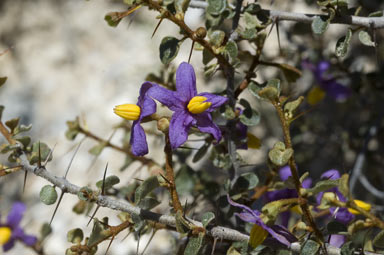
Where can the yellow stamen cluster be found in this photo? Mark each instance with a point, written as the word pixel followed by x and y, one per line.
pixel 197 105
pixel 363 205
pixel 5 235
pixel 127 111
pixel 257 236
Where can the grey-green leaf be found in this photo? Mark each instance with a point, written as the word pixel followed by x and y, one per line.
pixel 310 247
pixel 216 37
pixel 169 48
pixel 216 7
pixel 48 195
pixel 145 188
pixel 246 181
pixel 194 245
pixel 207 218
pixel 365 38
pixel 250 117
pixel 75 236
pixel 342 45
pixel 109 182
pixel 320 25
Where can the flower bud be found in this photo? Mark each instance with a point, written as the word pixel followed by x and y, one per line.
pixel 363 205
pixel 127 111
pixel 200 33
pixel 163 125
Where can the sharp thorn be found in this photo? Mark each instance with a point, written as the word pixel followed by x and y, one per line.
pixel 109 245
pixel 49 155
pixel 137 179
pixel 73 157
pixel 39 161
pixel 165 179
pixel 185 207
pixel 190 53
pixel 149 241
pixel 93 215
pixel 125 237
pixel 103 184
pixel 138 244
pixel 157 26
pixel 214 246
pixel 25 180
pixel 57 206
pixel 278 34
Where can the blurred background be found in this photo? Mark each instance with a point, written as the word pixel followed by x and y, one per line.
pixel 65 61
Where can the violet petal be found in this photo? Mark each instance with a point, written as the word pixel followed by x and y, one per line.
pixel 138 140
pixel 205 124
pixel 16 214
pixel 185 82
pixel 178 128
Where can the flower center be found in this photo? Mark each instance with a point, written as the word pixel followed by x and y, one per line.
pixel 363 205
pixel 127 111
pixel 197 105
pixel 5 235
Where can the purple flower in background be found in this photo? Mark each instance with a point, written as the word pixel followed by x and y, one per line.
pixel 190 108
pixel 10 231
pixel 326 81
pixel 285 173
pixel 145 106
pixel 340 214
pixel 279 233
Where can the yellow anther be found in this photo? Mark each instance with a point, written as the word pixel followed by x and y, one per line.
pixel 257 236
pixel 197 105
pixel 363 205
pixel 5 235
pixel 127 111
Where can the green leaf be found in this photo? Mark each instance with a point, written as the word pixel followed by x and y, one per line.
pixel 85 193
pixel 216 7
pixel 73 129
pixel 347 249
pixel 249 116
pixel 252 8
pixel 246 181
pixel 310 247
pixel 145 188
pixel 185 180
pixel 99 232
pixel 110 181
pixel 365 38
pixel 231 50
pixel 216 37
pixel 194 245
pixel 376 14
pixel 324 186
pixel 207 218
pixel 22 128
pixel 48 195
pixel 148 203
pixel 251 21
pixel 249 33
pixel 79 207
pixel 200 153
pixel 207 56
pixel 279 155
pixel 3 80
pixel 208 70
pixel 44 153
pixel 45 231
pixel 12 124
pixel 97 149
pixel 342 44
pixel 320 24
pixel 378 241
pixel 291 73
pixel 335 227
pixel 290 107
pixel 169 48
pixel 25 140
pixel 113 18
pixel 75 236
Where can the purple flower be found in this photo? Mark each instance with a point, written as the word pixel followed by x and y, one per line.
pixel 337 240
pixel 326 81
pixel 190 109
pixel 278 233
pixel 340 214
pixel 146 106
pixel 10 231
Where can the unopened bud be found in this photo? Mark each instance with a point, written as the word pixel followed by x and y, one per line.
pixel 201 32
pixel 163 125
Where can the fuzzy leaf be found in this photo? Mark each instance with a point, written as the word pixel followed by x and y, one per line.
pixel 342 44
pixel 75 236
pixel 207 218
pixel 99 232
pixel 310 247
pixel 12 124
pixel 194 245
pixel 216 37
pixel 169 48
pixel 48 195
pixel 148 203
pixel 200 153
pixel 246 181
pixel 113 18
pixel 365 38
pixel 378 241
pixel 279 155
pixel 44 153
pixel 145 188
pixel 109 182
pixel 320 25
pixel 324 186
pixel 216 7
